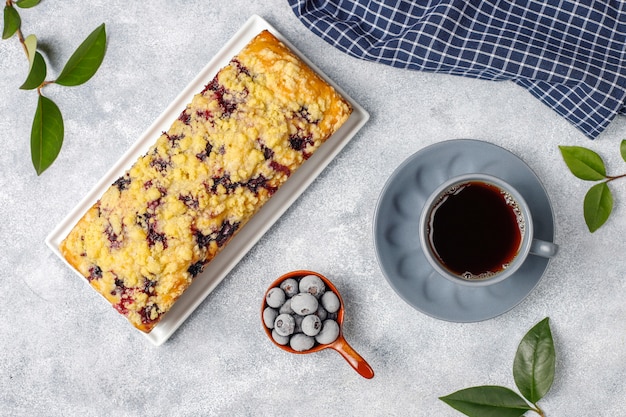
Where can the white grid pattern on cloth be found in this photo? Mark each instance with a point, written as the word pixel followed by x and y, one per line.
pixel 569 54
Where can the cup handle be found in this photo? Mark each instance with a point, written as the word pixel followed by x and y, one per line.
pixel 543 248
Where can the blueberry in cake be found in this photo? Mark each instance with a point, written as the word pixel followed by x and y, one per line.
pixel 157 226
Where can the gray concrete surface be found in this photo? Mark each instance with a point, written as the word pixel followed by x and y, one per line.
pixel 65 352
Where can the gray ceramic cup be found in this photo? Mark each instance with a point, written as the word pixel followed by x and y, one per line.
pixel 528 245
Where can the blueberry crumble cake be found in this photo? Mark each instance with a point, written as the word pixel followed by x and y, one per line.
pixel 158 225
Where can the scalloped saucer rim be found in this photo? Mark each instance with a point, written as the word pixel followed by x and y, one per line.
pixel 397 213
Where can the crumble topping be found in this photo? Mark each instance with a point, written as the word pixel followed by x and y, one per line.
pixel 157 226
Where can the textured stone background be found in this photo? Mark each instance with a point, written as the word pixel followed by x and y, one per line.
pixel 66 352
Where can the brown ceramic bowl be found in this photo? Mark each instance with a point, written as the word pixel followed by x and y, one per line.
pixel 340 345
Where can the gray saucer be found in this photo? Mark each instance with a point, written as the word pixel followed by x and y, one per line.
pixel 396 230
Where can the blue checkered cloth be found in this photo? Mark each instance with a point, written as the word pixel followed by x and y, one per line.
pixel 568 54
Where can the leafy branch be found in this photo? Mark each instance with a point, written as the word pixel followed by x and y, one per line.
pixel 589 166
pixel 47 130
pixel 533 371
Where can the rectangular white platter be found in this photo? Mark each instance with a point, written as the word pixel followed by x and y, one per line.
pixel 249 235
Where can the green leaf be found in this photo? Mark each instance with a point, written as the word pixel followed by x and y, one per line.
pixel 584 163
pixel 86 60
pixel 533 367
pixel 26 4
pixel 37 73
pixel 622 149
pixel 46 136
pixel 31 47
pixel 487 401
pixel 597 206
pixel 12 22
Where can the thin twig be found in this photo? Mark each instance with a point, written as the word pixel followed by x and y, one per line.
pixel 611 177
pixel 19 33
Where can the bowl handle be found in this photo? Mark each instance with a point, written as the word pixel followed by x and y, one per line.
pixel 353 358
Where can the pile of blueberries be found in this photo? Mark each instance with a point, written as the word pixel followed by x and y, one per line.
pixel 301 312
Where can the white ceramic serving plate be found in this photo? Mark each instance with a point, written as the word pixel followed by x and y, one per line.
pixel 243 241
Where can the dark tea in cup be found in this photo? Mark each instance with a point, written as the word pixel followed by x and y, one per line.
pixel 475 229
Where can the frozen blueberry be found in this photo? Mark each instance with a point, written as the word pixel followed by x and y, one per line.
pixel 275 297
pixel 290 287
pixel 269 315
pixel 298 320
pixel 284 324
pixel 321 312
pixel 313 285
pixel 301 342
pixel 330 301
pixel 286 307
pixel 329 332
pixel 304 304
pixel 281 340
pixel 311 325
